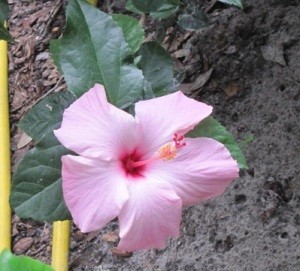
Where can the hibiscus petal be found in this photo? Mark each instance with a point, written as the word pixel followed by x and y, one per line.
pixel 92 127
pixel 162 117
pixel 202 170
pixel 94 191
pixel 151 215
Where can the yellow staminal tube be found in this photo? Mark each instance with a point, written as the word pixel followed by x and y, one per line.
pixel 5 212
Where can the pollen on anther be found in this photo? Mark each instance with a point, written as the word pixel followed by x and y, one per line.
pixel 167 152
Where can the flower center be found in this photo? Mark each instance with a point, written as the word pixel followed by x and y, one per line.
pixel 135 167
pixel 132 165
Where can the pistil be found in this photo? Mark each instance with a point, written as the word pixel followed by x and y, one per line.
pixel 135 164
pixel 166 152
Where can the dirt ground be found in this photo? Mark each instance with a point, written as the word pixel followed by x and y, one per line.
pixel 255 90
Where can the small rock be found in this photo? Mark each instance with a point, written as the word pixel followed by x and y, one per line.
pixel 42 56
pixel 231 50
pixel 55 29
pixel 232 89
pixel 274 53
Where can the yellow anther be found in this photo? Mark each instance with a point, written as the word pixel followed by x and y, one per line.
pixel 167 152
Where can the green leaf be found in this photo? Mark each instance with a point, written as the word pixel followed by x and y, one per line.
pixel 233 2
pixel 10 262
pixel 46 115
pixel 164 12
pixel 132 8
pixel 148 6
pixel 3 11
pixel 167 8
pixel 91 51
pixel 132 30
pixel 132 81
pixel 157 65
pixel 211 128
pixel 160 9
pixel 36 190
pixel 4 34
pixel 194 18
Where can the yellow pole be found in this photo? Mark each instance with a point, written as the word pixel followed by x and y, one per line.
pixel 60 245
pixel 5 213
pixel 61 233
pixel 93 2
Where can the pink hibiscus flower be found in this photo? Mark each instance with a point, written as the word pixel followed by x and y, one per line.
pixel 140 169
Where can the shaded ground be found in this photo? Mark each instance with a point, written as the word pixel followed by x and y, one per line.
pixel 255 90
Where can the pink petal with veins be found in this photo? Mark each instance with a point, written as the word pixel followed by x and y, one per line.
pixel 162 117
pixel 92 127
pixel 151 215
pixel 94 191
pixel 202 170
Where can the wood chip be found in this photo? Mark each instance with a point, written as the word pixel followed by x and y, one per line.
pixel 14 230
pixel 78 236
pixel 47 83
pixel 19 98
pixel 23 245
pixel 181 53
pixel 200 82
pixel 23 141
pixel 46 73
pixel 110 237
pixel 92 235
pixel 120 253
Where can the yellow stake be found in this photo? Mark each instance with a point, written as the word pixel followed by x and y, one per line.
pixel 93 2
pixel 5 213
pixel 60 245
